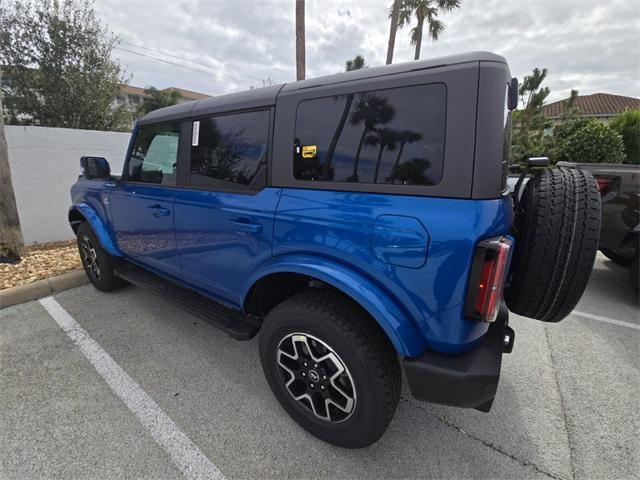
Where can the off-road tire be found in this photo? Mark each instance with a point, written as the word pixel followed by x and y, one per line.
pixel 557 227
pixel 361 345
pixel 616 257
pixel 106 281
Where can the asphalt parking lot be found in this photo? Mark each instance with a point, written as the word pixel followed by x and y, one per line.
pixel 567 405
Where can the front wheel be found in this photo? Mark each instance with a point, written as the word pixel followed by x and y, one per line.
pixel 97 263
pixel 331 369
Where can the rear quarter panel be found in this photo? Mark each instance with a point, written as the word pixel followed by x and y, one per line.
pixel 340 226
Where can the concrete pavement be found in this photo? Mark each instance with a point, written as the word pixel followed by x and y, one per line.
pixel 566 407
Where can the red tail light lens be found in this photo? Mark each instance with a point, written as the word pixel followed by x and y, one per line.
pixel 603 184
pixel 486 280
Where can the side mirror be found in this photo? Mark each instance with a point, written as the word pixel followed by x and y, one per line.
pixel 95 167
pixel 513 94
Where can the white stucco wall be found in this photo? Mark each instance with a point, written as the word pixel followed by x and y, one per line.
pixel 45 162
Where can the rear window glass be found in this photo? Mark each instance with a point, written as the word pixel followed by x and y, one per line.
pixel 229 151
pixel 393 136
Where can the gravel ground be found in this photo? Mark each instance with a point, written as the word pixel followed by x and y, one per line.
pixel 41 261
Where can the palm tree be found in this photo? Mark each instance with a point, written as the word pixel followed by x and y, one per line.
pixel 385 139
pixel 370 110
pixel 424 10
pixel 357 63
pixel 11 241
pixel 300 43
pixel 394 13
pixel 404 137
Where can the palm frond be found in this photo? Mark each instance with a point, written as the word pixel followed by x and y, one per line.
pixel 436 27
pixel 448 5
pixel 404 17
pixel 413 34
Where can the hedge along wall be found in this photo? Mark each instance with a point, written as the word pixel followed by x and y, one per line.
pixel 45 162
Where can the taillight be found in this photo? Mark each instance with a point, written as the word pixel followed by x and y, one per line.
pixel 488 272
pixel 603 184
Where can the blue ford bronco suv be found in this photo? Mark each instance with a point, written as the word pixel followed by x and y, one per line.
pixel 360 223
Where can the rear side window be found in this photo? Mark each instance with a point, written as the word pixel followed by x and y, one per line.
pixel 155 154
pixel 229 151
pixel 393 136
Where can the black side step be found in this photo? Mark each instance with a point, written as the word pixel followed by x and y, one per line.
pixel 234 323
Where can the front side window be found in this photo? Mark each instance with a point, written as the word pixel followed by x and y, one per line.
pixel 155 155
pixel 229 151
pixel 393 136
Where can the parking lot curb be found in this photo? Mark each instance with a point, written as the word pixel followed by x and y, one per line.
pixel 42 288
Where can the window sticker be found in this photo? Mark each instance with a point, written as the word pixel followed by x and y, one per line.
pixel 195 135
pixel 309 151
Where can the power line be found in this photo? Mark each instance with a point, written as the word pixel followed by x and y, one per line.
pixel 225 70
pixel 223 75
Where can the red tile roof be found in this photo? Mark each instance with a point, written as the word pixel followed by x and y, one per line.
pixel 603 104
pixel 187 94
pixel 130 89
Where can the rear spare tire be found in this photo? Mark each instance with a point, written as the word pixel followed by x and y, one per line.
pixel 557 227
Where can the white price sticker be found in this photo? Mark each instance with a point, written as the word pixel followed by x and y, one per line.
pixel 195 134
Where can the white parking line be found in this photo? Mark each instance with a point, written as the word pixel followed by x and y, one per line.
pixel 600 318
pixel 184 454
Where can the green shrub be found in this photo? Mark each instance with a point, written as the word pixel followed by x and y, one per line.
pixel 586 141
pixel 627 125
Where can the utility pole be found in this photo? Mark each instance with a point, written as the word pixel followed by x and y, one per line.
pixel 300 43
pixel 395 13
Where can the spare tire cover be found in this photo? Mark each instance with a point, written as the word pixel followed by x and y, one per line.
pixel 557 226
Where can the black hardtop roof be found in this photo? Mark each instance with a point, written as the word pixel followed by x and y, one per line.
pixel 257 97
pixel 266 96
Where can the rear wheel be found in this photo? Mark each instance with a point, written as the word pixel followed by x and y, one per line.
pixel 616 257
pixel 334 372
pixel 97 263
pixel 557 229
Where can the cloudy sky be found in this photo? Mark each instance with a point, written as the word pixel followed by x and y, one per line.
pixel 219 46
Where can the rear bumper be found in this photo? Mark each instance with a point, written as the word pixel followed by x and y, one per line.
pixel 467 380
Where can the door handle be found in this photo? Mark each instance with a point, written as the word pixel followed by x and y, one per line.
pixel 240 226
pixel 158 211
pixel 109 184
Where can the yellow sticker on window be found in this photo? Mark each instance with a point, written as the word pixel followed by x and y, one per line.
pixel 308 151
